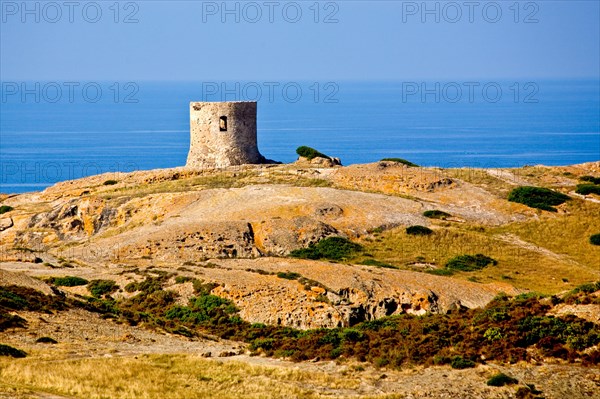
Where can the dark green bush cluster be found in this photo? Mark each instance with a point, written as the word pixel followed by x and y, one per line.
pixel 46 340
pixel 110 182
pixel 501 379
pixel 538 197
pixel 436 214
pixel 310 153
pixel 470 263
pixel 582 295
pixel 377 263
pixel 333 248
pixel 99 288
pixel 67 281
pixel 14 298
pixel 5 209
pixel 586 189
pixel 6 350
pixel 148 285
pixel 459 363
pixel 400 160
pixel 595 239
pixel 202 309
pixel 418 230
pixel 590 179
pixel 289 275
pixel 440 337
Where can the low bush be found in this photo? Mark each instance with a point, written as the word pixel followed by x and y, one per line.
pixel 288 275
pixel 400 160
pixel 182 279
pixel 501 379
pixel 99 288
pixel 5 209
pixel 590 179
pixel 595 239
pixel 333 248
pixel 418 231
pixel 436 214
pixel 46 340
pixel 538 197
pixel 8 320
pixel 310 153
pixel 15 297
pixel 460 363
pixel 469 263
pixel 6 350
pixel 440 272
pixel 110 182
pixel 376 263
pixel 585 189
pixel 582 295
pixel 67 281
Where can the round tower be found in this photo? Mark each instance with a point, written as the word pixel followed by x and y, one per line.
pixel 223 134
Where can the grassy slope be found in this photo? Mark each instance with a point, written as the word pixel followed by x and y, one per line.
pixel 554 253
pixel 163 376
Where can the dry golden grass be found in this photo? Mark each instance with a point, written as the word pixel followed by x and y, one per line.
pixel 481 178
pixel 567 234
pixel 169 376
pixel 224 179
pixel 548 255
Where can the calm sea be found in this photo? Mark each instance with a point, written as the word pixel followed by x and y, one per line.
pixel 53 131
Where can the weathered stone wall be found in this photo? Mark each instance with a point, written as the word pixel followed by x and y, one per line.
pixel 213 147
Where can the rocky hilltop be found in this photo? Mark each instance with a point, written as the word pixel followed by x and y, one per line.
pixel 235 227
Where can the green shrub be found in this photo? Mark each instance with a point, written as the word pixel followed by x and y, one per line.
pixel 440 272
pixel 310 153
pixel 6 350
pixel 418 231
pixel 182 279
pixel 262 343
pixel 110 182
pixel 585 189
pixel 288 275
pixel 501 379
pixel 587 288
pixel 538 197
pixel 5 209
pixel 46 340
pixel 470 263
pixel 202 288
pixel 436 214
pixel 99 288
pixel 590 179
pixel 459 363
pixel 400 160
pixel 376 263
pixel 333 248
pixel 67 281
pixel 595 239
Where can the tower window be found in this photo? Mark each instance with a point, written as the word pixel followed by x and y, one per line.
pixel 223 124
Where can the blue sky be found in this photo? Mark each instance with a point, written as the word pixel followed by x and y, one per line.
pixel 365 40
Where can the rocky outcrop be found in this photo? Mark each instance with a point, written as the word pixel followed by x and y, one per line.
pixel 319 161
pixel 242 222
pixel 6 223
pixel 333 295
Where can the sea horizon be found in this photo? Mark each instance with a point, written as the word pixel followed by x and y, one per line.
pixel 145 125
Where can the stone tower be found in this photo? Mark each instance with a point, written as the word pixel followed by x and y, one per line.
pixel 223 134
